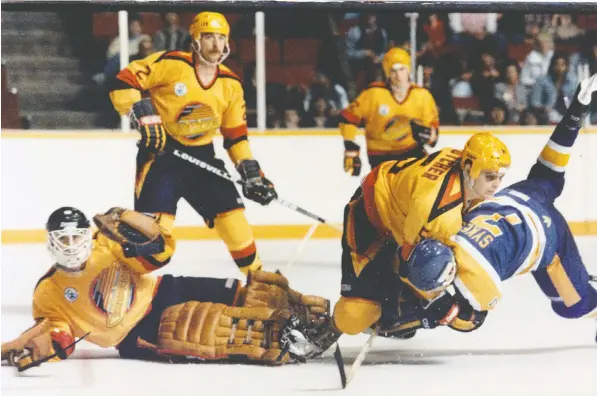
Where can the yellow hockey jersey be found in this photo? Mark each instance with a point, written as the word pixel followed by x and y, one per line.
pixel 191 112
pixel 387 121
pixel 106 299
pixel 414 199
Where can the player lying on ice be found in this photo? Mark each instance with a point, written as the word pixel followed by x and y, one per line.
pixel 100 289
pixel 519 231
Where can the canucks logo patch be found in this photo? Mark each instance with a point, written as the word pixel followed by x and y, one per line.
pixel 71 294
pixel 180 89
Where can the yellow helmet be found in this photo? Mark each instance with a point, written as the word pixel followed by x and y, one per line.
pixel 393 56
pixel 209 22
pixel 485 152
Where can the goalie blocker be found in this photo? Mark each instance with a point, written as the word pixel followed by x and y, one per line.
pixel 163 317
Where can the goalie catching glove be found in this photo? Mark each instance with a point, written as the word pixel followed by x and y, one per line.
pixel 150 126
pixel 138 234
pixel 256 186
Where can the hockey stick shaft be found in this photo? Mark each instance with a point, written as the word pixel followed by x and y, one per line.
pixel 361 357
pixel 300 248
pixel 223 174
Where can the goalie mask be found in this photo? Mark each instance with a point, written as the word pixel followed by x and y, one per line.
pixel 69 238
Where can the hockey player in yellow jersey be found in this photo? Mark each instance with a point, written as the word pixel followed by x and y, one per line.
pixel 191 96
pixel 100 288
pixel 399 117
pixel 398 204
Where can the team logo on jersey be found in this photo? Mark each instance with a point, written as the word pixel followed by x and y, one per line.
pixel 180 89
pixel 71 294
pixel 113 293
pixel 384 110
pixel 547 221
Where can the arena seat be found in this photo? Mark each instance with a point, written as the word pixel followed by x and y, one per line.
pixel 301 51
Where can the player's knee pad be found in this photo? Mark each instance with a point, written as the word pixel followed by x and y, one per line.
pixel 234 229
pixel 353 315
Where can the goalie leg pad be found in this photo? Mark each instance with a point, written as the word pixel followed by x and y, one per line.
pixel 217 332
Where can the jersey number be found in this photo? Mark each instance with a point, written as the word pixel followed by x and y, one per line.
pixel 400 165
pixel 487 222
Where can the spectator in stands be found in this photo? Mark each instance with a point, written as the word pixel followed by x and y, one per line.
pixel 435 33
pixel 291 118
pixel 461 85
pixel 135 36
pixel 171 37
pixel 474 31
pixel 498 114
pixel 512 93
pixel 146 48
pixel 537 61
pixel 483 81
pixel 319 115
pixel 563 29
pixel 366 43
pixel 335 95
pixel 551 92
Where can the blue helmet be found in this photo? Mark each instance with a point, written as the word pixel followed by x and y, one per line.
pixel 431 266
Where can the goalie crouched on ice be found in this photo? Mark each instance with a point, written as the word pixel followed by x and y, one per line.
pixel 100 288
pixel 191 96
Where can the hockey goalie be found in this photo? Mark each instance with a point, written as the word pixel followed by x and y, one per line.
pixel 100 289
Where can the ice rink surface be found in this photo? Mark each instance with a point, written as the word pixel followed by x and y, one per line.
pixel 522 349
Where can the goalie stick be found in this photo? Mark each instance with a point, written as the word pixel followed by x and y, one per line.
pixel 223 174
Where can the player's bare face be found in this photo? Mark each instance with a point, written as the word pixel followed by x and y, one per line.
pixel 212 46
pixel 487 184
pixel 399 76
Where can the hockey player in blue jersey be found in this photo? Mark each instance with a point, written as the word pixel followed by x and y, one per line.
pixel 518 231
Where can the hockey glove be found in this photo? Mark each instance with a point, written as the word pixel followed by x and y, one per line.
pixel 352 161
pixel 422 135
pixel 256 187
pixel 414 315
pixel 150 126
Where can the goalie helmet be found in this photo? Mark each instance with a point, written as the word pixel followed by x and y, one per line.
pixel 431 266
pixel 209 22
pixel 69 238
pixel 485 152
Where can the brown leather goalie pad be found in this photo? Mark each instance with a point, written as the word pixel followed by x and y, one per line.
pixel 268 289
pixel 212 331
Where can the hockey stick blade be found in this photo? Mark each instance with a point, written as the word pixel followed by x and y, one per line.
pixel 593 278
pixel 340 362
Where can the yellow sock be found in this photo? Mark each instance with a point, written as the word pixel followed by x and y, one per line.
pixel 234 229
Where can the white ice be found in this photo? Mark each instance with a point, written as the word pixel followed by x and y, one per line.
pixel 523 348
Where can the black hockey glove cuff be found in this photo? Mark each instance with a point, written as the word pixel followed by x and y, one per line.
pixel 256 186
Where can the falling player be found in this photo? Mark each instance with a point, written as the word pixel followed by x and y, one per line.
pixel 100 287
pixel 192 95
pixel 399 117
pixel 398 204
pixel 517 232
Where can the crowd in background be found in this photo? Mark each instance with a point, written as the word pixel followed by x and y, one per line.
pixel 502 69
